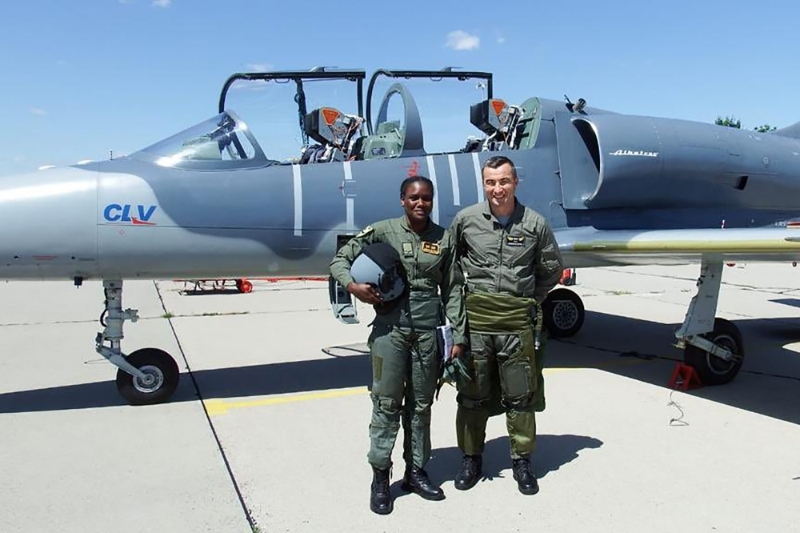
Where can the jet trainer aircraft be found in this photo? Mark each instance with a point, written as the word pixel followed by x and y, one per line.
pixel 208 202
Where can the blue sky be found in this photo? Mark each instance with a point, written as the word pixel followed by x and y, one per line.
pixel 84 77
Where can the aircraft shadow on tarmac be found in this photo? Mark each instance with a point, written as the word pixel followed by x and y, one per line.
pixel 629 347
pixel 552 452
pixel 258 380
pixel 768 384
pixel 206 292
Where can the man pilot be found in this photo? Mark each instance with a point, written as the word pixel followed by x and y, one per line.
pixel 510 260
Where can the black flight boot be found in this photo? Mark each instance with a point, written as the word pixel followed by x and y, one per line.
pixel 526 481
pixel 380 501
pixel 416 480
pixel 470 473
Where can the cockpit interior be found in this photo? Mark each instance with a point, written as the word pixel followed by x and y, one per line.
pixel 348 135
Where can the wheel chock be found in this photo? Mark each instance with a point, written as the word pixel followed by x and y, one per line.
pixel 684 377
pixel 244 286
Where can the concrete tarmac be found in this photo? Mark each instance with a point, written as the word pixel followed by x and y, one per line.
pixel 268 428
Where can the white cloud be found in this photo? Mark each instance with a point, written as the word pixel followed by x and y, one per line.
pixel 38 111
pixel 461 40
pixel 500 39
pixel 19 159
pixel 162 3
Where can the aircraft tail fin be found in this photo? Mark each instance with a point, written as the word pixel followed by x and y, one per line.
pixel 792 131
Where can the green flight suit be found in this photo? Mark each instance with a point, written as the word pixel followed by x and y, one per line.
pixel 506 269
pixel 403 345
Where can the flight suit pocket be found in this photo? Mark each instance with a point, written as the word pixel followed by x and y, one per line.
pixel 516 372
pixel 431 263
pixel 551 258
pixel 517 379
pixel 481 250
pixel 377 342
pixel 377 367
pixel 521 248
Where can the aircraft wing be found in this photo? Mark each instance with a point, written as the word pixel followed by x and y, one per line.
pixel 587 247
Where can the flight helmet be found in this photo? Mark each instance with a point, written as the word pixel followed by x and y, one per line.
pixel 379 265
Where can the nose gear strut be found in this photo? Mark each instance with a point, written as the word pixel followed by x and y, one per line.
pixel 146 376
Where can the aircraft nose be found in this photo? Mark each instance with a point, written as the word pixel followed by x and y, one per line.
pixel 48 224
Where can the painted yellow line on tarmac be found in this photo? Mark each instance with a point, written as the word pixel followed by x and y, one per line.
pixel 220 407
pixel 216 407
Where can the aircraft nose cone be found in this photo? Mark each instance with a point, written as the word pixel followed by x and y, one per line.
pixel 48 223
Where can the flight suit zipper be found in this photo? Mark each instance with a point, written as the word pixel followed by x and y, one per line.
pixel 500 262
pixel 415 239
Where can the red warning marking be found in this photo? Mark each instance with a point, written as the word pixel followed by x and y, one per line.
pixel 498 106
pixel 330 115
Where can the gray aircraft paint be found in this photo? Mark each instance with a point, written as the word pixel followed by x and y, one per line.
pixel 654 180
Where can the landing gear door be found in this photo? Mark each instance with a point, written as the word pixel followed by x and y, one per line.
pixel 342 303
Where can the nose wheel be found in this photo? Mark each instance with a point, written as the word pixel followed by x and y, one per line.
pixel 159 379
pixel 146 376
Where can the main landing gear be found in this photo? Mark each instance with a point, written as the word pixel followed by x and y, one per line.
pixel 145 376
pixel 712 346
pixel 563 313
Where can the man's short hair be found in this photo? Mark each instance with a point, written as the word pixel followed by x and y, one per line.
pixel 498 161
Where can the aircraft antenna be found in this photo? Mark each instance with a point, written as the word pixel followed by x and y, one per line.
pixel 482 87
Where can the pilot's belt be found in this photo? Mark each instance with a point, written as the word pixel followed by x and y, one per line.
pixel 497 313
pixel 430 292
pixel 420 310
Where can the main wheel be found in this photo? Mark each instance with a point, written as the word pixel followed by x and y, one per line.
pixel 162 376
pixel 714 370
pixel 563 313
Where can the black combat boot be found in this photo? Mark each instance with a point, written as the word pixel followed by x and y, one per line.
pixel 470 473
pixel 380 501
pixel 526 481
pixel 416 480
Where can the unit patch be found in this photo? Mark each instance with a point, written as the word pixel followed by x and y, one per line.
pixel 408 250
pixel 515 241
pixel 430 247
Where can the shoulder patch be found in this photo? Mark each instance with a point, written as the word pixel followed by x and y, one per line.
pixel 365 231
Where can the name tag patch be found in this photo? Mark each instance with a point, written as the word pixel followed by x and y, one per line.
pixel 408 250
pixel 430 248
pixel 515 241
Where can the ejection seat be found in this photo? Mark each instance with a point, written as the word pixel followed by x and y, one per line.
pixel 501 122
pixel 334 131
pixel 394 138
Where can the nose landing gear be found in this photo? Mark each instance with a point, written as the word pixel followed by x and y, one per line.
pixel 146 376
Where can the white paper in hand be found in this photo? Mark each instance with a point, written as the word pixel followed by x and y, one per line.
pixel 445 336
